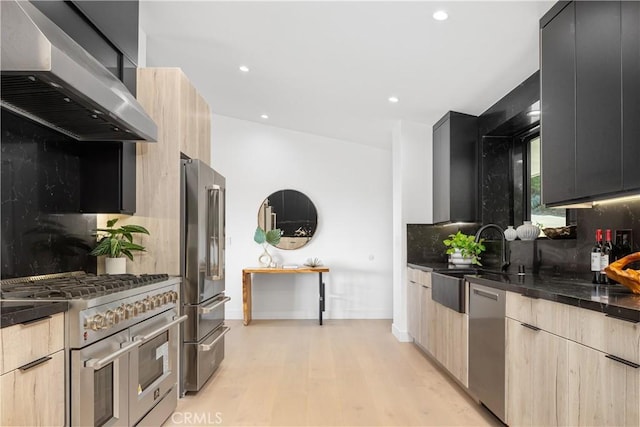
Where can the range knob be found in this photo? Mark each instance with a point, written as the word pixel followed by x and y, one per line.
pixel 147 303
pixel 140 307
pixel 120 314
pixel 130 311
pixel 174 296
pixel 166 298
pixel 95 323
pixel 157 300
pixel 110 317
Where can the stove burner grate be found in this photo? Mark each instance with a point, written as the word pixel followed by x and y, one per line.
pixel 75 286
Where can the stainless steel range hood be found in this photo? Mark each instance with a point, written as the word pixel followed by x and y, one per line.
pixel 51 79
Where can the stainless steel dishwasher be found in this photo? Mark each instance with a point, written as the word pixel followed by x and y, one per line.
pixel 487 347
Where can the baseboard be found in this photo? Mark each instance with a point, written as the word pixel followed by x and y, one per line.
pixel 402 336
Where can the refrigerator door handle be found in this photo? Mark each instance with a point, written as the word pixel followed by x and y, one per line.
pixel 214 232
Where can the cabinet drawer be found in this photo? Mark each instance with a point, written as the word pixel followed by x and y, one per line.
pixel 588 327
pixel 413 274
pixel 424 278
pixel 34 396
pixel 24 343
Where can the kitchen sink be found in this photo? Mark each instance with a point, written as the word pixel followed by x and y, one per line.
pixel 447 288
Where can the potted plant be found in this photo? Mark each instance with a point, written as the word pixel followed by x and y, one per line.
pixel 266 238
pixel 116 242
pixel 464 249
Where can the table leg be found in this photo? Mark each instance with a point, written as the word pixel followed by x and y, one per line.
pixel 246 297
pixel 321 301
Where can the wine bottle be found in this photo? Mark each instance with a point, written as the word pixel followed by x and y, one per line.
pixel 605 257
pixel 596 257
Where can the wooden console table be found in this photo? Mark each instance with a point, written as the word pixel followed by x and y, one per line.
pixel 246 286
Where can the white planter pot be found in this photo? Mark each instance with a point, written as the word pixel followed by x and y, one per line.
pixel 460 261
pixel 115 265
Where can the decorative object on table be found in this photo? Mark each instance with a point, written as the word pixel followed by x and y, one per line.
pixel 266 238
pixel 528 231
pixel 116 242
pixel 313 262
pixel 510 233
pixel 629 277
pixel 464 250
pixel 568 232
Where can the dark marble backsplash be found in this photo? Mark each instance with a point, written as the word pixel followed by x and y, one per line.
pixel 570 257
pixel 42 231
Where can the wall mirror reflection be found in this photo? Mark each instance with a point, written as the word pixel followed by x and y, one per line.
pixel 292 212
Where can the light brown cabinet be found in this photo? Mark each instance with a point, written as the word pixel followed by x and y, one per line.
pixel 426 317
pixel 413 309
pixel 570 366
pixel 32 385
pixel 536 376
pixel 450 341
pixel 184 128
pixel 602 391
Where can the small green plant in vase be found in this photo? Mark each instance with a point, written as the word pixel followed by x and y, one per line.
pixel 266 238
pixel 464 249
pixel 116 242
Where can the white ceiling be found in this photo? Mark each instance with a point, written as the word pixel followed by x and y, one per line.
pixel 328 68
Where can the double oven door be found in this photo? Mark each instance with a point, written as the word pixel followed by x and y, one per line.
pixel 129 378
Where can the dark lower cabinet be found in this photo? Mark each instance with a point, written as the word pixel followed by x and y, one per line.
pixel 590 100
pixel 455 190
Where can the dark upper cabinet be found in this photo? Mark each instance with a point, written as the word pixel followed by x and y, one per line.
pixel 590 100
pixel 108 30
pixel 631 94
pixel 454 168
pixel 117 20
pixel 557 94
pixel 598 97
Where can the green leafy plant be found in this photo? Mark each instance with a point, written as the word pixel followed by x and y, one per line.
pixel 115 242
pixel 271 237
pixel 467 246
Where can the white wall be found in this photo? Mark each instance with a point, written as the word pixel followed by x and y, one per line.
pixel 412 203
pixel 351 186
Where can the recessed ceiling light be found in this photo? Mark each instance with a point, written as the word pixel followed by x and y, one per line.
pixel 244 68
pixel 393 99
pixel 440 15
pixel 264 116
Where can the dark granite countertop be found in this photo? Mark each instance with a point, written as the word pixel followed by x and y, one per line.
pixel 14 312
pixel 614 300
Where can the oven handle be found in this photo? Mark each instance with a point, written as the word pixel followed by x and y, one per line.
pixel 161 329
pixel 97 364
pixel 207 347
pixel 210 308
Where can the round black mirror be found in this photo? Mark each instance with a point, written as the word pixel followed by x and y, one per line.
pixel 293 213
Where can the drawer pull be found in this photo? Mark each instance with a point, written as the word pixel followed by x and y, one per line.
pixel 620 360
pixel 216 304
pixel 32 321
pixel 35 363
pixel 426 287
pixel 208 347
pixel 533 328
pixel 622 318
pixel 486 294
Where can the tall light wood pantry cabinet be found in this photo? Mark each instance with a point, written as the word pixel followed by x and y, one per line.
pixel 184 129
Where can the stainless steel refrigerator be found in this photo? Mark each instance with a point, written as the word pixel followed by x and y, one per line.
pixel 202 236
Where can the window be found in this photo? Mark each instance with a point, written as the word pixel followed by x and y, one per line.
pixel 539 214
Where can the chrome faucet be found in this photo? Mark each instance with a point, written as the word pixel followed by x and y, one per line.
pixel 504 257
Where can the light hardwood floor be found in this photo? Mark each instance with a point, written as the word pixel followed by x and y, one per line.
pixel 345 373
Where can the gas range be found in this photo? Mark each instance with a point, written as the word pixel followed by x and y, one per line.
pixel 99 305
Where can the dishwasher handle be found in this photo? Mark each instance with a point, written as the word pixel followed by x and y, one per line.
pixel 486 294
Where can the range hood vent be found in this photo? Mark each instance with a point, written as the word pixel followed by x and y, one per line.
pixel 49 78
